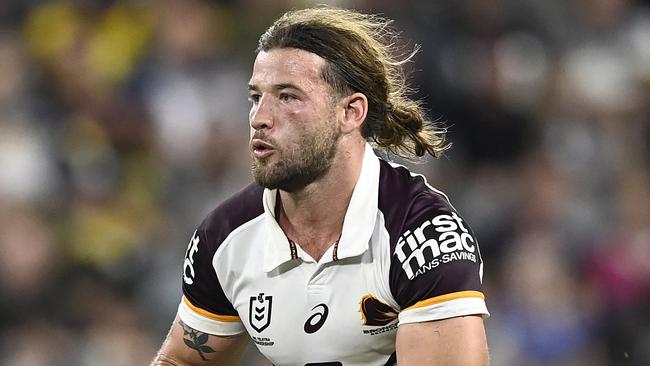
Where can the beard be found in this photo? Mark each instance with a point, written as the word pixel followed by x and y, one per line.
pixel 300 164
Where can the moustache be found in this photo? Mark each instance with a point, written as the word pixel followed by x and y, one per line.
pixel 259 135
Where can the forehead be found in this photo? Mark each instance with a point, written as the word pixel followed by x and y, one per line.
pixel 288 66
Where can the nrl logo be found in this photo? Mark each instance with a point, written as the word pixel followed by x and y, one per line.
pixel 259 311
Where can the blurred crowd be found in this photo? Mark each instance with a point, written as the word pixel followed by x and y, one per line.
pixel 122 123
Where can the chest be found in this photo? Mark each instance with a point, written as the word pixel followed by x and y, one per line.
pixel 309 313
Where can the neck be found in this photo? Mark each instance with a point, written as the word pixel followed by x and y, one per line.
pixel 313 217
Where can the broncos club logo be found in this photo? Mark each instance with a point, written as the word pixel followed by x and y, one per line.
pixel 375 312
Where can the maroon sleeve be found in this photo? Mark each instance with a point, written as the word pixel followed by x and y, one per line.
pixel 201 286
pixel 435 254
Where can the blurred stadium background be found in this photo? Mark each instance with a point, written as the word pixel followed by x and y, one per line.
pixel 122 123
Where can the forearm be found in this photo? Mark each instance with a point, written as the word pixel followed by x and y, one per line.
pixel 185 346
pixel 163 360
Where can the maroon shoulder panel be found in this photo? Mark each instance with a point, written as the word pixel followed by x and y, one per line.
pixel 433 250
pixel 200 283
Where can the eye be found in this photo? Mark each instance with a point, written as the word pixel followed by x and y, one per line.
pixel 254 98
pixel 285 97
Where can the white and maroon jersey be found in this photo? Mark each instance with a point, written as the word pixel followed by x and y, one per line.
pixel 404 256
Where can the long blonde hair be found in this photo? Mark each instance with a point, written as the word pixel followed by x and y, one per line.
pixel 362 57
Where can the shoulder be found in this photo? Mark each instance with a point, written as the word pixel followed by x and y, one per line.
pixel 435 266
pixel 206 305
pixel 405 197
pixel 232 213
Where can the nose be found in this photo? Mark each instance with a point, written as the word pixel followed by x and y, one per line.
pixel 261 114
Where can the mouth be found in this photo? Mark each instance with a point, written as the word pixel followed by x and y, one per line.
pixel 261 149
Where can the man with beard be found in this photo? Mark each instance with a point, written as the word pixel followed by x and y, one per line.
pixel 333 256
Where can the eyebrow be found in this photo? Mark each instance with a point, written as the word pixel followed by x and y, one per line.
pixel 252 87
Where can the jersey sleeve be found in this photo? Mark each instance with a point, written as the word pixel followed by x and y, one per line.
pixel 204 305
pixel 436 266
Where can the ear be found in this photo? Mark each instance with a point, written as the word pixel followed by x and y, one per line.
pixel 355 110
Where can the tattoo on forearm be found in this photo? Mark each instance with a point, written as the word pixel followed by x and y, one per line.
pixel 196 340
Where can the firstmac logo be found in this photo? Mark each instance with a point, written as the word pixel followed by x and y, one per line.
pixel 443 239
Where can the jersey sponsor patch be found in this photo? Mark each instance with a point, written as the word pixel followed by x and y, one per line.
pixel 443 239
pixel 188 265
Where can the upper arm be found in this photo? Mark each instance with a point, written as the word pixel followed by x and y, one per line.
pixel 187 346
pixel 447 342
pixel 207 329
pixel 436 279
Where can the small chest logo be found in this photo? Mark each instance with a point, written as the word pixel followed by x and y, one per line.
pixel 259 311
pixel 376 313
pixel 316 320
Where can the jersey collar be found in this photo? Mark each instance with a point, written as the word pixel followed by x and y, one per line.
pixel 358 224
